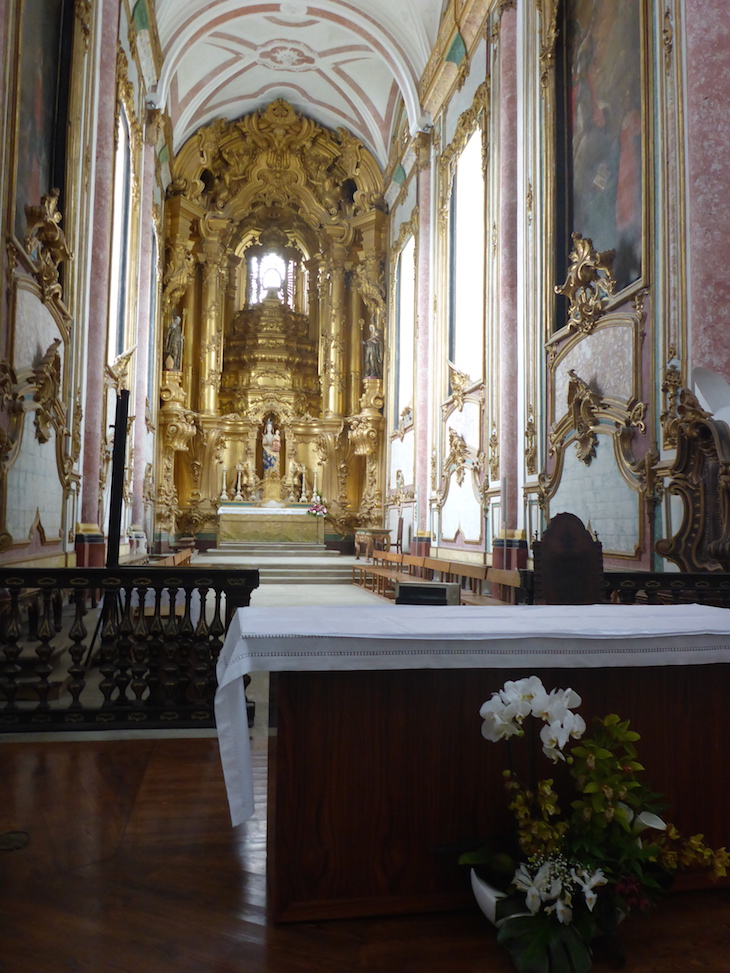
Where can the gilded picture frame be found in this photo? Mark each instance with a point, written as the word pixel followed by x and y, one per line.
pixel 601 133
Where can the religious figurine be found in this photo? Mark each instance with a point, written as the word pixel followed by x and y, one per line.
pixel 173 347
pixel 272 449
pixel 374 353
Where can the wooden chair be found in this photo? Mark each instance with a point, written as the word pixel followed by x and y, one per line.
pixel 568 564
pixel 398 543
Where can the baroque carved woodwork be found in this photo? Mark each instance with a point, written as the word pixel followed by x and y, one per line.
pixel 700 477
pixel 275 182
pixel 45 242
pixel 589 283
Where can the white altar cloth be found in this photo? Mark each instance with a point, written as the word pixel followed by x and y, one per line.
pixel 442 637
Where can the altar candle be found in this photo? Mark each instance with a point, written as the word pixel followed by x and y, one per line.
pixel 314 487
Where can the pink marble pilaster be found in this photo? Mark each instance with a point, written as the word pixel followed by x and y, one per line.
pixel 509 453
pixel 423 342
pixel 707 26
pixel 99 243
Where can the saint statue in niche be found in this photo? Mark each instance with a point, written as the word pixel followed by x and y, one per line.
pixel 272 448
pixel 173 347
pixel 374 353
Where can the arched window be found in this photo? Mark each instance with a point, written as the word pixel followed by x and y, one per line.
pixel 466 259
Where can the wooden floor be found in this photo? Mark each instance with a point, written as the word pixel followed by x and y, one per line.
pixel 132 867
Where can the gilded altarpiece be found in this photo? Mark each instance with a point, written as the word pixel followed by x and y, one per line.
pixel 272 353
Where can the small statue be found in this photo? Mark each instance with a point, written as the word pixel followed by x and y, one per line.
pixel 272 448
pixel 374 353
pixel 173 348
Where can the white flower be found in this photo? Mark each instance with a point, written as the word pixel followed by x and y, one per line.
pixel 540 888
pixel 500 721
pixel 563 910
pixel 588 883
pixel 556 734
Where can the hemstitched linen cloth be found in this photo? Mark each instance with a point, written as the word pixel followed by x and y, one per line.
pixel 445 637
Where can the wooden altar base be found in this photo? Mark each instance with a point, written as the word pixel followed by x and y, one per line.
pixel 378 779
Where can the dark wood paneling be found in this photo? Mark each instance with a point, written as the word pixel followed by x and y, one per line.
pixel 379 777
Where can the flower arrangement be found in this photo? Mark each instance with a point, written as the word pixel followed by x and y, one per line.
pixel 317 507
pixel 572 876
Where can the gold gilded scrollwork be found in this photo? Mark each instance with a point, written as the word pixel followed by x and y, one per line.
pixel 671 390
pixel 460 383
pixel 589 283
pixel 457 457
pixel 548 11
pixel 531 442
pixel 583 404
pixel 494 455
pixel 45 241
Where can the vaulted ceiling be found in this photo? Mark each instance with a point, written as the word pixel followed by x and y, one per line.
pixel 342 63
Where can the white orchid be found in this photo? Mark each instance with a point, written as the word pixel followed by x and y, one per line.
pixel 507 710
pixel 555 735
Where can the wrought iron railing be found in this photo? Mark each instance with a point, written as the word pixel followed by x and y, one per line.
pixel 113 648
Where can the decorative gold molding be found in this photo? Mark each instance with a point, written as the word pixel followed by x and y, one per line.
pixel 531 442
pixel 494 463
pixel 589 283
pixel 672 385
pixel 583 405
pixel 45 242
pixel 548 32
pixel 460 384
pixel 83 10
pixel 457 457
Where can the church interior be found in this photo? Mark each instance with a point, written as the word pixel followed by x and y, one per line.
pixel 364 277
pixel 464 261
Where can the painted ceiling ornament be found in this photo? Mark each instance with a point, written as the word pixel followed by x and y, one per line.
pixel 283 55
pixel 584 404
pixel 589 283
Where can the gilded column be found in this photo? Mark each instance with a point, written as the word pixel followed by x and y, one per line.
pixel 356 324
pixel 334 341
pixel 215 271
pixel 313 268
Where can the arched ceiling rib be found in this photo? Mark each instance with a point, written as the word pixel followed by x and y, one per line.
pixel 341 63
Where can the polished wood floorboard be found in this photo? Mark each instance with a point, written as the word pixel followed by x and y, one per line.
pixel 131 866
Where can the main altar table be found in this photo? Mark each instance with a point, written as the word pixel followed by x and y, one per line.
pixel 378 773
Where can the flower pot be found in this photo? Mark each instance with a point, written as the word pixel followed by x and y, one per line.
pixel 486 896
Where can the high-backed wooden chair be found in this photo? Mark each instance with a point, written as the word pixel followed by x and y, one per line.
pixel 398 543
pixel 568 564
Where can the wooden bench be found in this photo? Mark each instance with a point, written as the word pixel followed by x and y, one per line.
pixel 513 586
pixel 436 569
pixel 380 575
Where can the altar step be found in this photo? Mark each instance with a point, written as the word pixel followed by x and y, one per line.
pixel 283 563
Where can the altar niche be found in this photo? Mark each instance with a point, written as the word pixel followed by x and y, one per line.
pixel 271 460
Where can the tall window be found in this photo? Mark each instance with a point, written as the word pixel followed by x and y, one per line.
pixel 467 254
pixel 405 326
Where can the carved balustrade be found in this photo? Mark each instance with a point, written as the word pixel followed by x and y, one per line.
pixel 114 648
